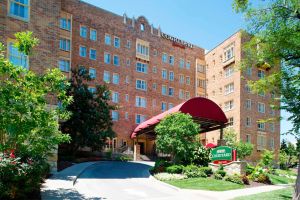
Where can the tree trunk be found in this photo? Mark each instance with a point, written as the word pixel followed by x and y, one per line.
pixel 297 185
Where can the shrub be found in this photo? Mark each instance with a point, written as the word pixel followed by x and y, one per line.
pixel 207 170
pixel 200 156
pixel 249 169
pixel 192 171
pixel 245 179
pixel 174 169
pixel 218 176
pixel 167 177
pixel 221 172
pixel 234 179
pixel 221 167
pixel 263 178
pixel 160 166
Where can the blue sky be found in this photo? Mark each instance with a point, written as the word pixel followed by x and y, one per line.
pixel 203 23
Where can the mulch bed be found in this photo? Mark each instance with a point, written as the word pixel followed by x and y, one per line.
pixel 254 184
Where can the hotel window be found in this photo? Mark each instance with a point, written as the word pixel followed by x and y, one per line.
pixel 248 89
pixel 229 88
pixel 261 142
pixel 65 24
pixel 154 69
pixel 142 49
pixel 107 39
pixel 139 118
pixel 164 74
pixel 181 94
pixel 155 52
pixel 171 76
pixel 188 80
pixel 272 143
pixel 230 122
pixel 142 27
pixel 92 90
pixel 171 106
pixel 116 78
pixel 93 34
pixel 64 44
pixel 16 57
pixel 127 79
pixel 82 51
pixel 64 65
pixel 228 53
pixel 126 117
pixel 83 31
pixel 117 42
pixel 19 9
pixel 201 83
pixel 140 102
pixel 92 73
pixel 200 68
pixel 107 58
pixel 115 115
pixel 248 121
pixel 153 103
pixel 163 106
pixel 181 79
pixel 128 62
pixel 272 127
pixel 261 107
pixel 171 91
pixel 141 84
pixel 93 54
pixel 171 60
pixel 187 95
pixel 260 73
pixel 128 44
pixel 115 97
pixel 261 126
pixel 141 67
pixel 164 58
pixel 229 71
pixel 249 71
pixel 248 104
pixel 164 90
pixel 248 138
pixel 154 86
pixel 228 105
pixel 106 77
pixel 188 64
pixel 181 63
pixel 126 97
pixel 116 60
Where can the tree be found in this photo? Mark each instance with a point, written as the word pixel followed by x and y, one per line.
pixel 283 145
pixel 176 135
pixel 275 30
pixel 243 149
pixel 28 120
pixel 90 124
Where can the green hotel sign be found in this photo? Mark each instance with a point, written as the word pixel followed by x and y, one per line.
pixel 221 155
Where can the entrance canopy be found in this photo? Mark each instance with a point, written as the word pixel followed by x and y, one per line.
pixel 204 111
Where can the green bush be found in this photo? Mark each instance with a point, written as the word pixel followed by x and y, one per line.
pixel 200 156
pixel 160 166
pixel 174 169
pixel 207 170
pixel 218 176
pixel 234 179
pixel 249 169
pixel 221 172
pixel 192 171
pixel 263 178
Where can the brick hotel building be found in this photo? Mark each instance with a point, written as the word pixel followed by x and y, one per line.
pixel 147 70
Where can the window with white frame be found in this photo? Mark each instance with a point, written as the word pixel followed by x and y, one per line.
pixel 126 116
pixel 228 53
pixel 272 127
pixel 200 68
pixel 141 84
pixel 142 49
pixel 261 142
pixel 117 42
pixel 248 89
pixel 140 102
pixel 171 91
pixel 261 73
pixel 201 83
pixel 93 34
pixel 181 79
pixel 181 63
pixel 164 58
pixel 115 115
pixel 163 106
pixel 141 67
pixel 229 71
pixel 154 86
pixel 64 65
pixel 171 60
pixel 107 58
pixel 106 77
pixel 83 31
pixel 107 39
pixel 139 118
pixel 116 78
pixel 126 97
pixel 154 69
pixel 188 80
pixel 272 143
pixel 16 57
pixel 93 54
pixel 115 97
pixel 127 79
pixel 229 88
pixel 188 64
pixel 249 71
pixel 155 53
pixel 248 104
pixel 116 60
pixel 164 90
pixel 187 95
pixel 64 44
pixel 261 126
pixel 19 9
pixel 228 105
pixel 128 44
pixel 92 73
pixel 230 122
pixel 171 76
pixel 82 51
pixel 128 62
pixel 248 121
pixel 248 138
pixel 92 90
pixel 164 74
pixel 181 94
pixel 65 23
pixel 261 107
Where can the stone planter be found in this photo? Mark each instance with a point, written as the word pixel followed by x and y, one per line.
pixel 235 167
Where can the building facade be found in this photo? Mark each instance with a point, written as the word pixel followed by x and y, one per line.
pixel 227 86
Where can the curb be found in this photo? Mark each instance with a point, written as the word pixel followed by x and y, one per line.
pixel 166 184
pixel 83 170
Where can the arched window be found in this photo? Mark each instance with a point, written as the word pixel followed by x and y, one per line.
pixel 142 27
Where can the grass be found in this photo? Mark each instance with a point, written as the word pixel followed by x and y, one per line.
pixel 280 179
pixel 205 184
pixel 282 194
pixel 286 172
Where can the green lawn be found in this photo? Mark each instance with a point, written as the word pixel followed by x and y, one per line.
pixel 283 194
pixel 280 179
pixel 205 184
pixel 286 172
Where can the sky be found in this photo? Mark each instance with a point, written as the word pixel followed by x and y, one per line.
pixel 200 22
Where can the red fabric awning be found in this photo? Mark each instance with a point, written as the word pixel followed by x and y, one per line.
pixel 210 145
pixel 205 111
